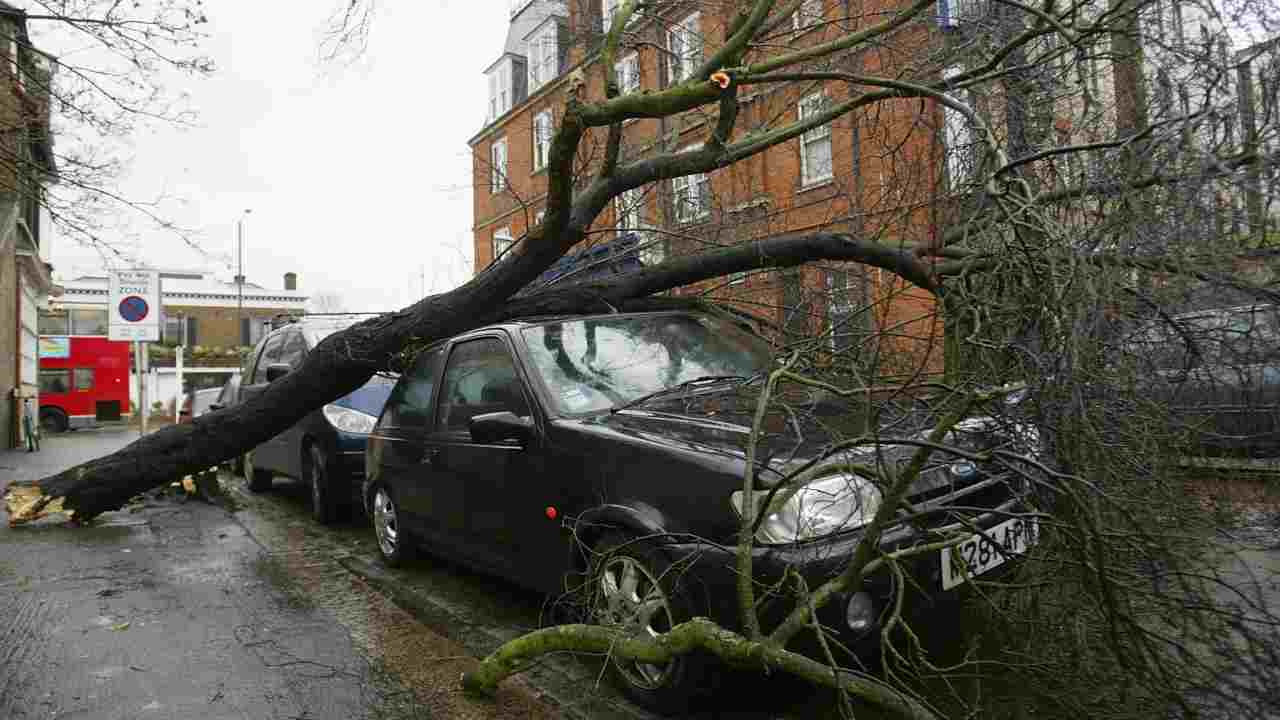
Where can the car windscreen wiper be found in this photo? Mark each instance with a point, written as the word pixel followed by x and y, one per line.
pixel 682 386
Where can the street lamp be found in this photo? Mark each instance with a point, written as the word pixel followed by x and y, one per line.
pixel 240 269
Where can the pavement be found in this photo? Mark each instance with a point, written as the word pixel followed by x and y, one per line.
pixel 174 609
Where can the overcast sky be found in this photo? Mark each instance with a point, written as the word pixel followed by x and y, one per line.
pixel 358 177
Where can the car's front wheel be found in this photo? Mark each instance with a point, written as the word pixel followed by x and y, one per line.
pixel 635 589
pixel 259 480
pixel 393 542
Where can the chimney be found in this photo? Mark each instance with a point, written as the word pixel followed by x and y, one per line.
pixel 290 281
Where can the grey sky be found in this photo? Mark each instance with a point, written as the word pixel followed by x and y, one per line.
pixel 358 177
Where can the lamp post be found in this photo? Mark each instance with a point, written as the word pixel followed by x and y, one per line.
pixel 240 268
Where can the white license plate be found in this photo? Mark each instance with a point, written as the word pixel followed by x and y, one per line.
pixel 987 550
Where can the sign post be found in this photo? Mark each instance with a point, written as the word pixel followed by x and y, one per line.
pixel 133 306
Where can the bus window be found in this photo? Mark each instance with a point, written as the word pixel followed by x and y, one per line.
pixel 55 381
pixel 83 378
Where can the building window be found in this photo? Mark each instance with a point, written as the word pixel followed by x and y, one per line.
pixel 544 56
pixel 537 219
pixel 541 139
pixel 171 330
pixel 809 13
pixel 502 242
pixel 629 207
pixel 691 196
pixel 958 140
pixel 88 322
pixel 844 305
pixel 952 13
pixel 83 378
pixel 815 144
pixel 609 8
pixel 627 71
pixel 684 43
pixel 54 323
pixel 500 90
pixel 498 165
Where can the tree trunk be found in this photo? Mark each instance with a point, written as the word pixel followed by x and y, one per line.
pixel 346 360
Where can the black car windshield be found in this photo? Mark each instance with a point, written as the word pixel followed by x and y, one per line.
pixel 598 363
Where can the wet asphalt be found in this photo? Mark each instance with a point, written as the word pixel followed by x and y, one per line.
pixel 174 609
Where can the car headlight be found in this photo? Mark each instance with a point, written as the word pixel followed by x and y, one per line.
pixel 348 420
pixel 827 505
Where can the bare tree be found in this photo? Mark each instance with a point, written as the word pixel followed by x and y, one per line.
pixel 118 78
pixel 1021 167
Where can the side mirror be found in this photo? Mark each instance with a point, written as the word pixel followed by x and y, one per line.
pixel 275 371
pixel 499 426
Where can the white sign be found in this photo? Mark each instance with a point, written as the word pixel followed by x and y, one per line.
pixel 134 306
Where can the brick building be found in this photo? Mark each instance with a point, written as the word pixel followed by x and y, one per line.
pixel 864 174
pixel 26 165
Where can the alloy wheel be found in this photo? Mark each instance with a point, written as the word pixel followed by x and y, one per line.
pixel 385 523
pixel 630 597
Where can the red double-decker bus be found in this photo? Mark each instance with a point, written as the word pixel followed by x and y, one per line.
pixel 84 380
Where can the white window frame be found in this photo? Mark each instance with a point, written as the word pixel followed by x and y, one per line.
pixel 958 138
pixel 609 8
pixel 544 56
pixel 493 97
pixel 502 242
pixel 500 89
pixel 628 82
pixel 809 13
pixel 809 105
pixel 498 165
pixel 683 56
pixel 542 131
pixel 952 13
pixel 697 185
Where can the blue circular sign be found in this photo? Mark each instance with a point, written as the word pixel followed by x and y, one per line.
pixel 133 308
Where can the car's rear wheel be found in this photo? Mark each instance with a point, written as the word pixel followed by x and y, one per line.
pixel 393 541
pixel 319 479
pixel 259 480
pixel 53 420
pixel 634 588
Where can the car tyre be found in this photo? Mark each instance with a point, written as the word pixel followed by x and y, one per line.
pixel 320 482
pixel 259 480
pixel 53 420
pixel 393 542
pixel 631 584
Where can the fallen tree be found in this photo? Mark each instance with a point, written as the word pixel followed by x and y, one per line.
pixel 1029 271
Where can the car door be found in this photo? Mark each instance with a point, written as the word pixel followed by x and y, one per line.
pixel 397 447
pixel 501 520
pixel 287 453
pixel 255 385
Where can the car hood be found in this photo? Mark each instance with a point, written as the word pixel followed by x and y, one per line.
pixel 720 422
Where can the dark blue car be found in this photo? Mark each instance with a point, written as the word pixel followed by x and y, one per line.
pixel 326 448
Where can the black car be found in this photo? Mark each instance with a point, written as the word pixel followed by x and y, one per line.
pixel 326 448
pixel 612 449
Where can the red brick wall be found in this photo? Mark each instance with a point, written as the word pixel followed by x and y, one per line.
pixel 884 177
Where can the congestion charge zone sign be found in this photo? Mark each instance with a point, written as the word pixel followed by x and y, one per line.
pixel 134 306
